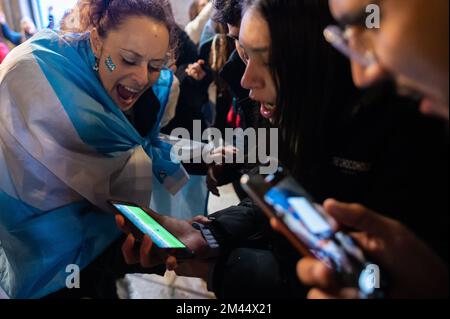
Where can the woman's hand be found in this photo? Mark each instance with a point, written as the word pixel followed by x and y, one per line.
pixel 196 71
pixel 413 269
pixel 217 175
pixel 149 256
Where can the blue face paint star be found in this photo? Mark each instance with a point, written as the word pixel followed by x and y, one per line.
pixel 110 64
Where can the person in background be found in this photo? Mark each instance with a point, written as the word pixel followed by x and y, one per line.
pixel 4 50
pixel 51 18
pixel 244 112
pixel 28 29
pixel 195 28
pixel 193 95
pixel 196 7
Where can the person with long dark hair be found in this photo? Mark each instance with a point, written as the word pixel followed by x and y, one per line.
pixel 28 29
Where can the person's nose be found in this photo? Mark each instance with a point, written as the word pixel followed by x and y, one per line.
pixel 142 76
pixel 367 76
pixel 251 79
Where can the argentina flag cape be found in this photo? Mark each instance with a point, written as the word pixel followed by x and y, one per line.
pixel 66 148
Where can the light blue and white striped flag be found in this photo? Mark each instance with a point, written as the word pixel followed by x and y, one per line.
pixel 65 147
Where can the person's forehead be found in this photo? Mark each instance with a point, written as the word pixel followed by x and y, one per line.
pixel 150 40
pixel 254 31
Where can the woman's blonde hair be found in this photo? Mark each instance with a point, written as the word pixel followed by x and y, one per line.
pixel 77 20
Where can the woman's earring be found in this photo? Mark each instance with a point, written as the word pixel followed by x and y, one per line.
pixel 95 67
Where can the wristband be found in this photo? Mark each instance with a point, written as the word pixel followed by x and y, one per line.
pixel 209 237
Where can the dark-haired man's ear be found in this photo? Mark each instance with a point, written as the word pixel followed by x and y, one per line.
pixel 96 43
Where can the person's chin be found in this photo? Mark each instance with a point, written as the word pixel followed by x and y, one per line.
pixel 433 108
pixel 125 106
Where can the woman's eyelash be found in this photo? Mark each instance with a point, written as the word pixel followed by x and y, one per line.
pixel 155 69
pixel 128 62
pixel 151 68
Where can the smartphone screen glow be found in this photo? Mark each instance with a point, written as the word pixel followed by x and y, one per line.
pixel 308 214
pixel 146 224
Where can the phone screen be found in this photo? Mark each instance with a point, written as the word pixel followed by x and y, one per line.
pixel 303 219
pixel 149 226
pixel 311 230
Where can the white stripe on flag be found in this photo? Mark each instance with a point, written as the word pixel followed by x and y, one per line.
pixel 48 164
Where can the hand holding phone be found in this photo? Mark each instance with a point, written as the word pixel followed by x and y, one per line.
pixel 311 231
pixel 169 235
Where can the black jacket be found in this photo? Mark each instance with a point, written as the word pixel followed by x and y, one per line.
pixel 193 94
pixel 384 155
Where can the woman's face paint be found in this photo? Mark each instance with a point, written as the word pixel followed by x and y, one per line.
pixel 110 64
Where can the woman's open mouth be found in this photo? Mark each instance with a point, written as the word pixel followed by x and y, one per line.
pixel 126 94
pixel 267 110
